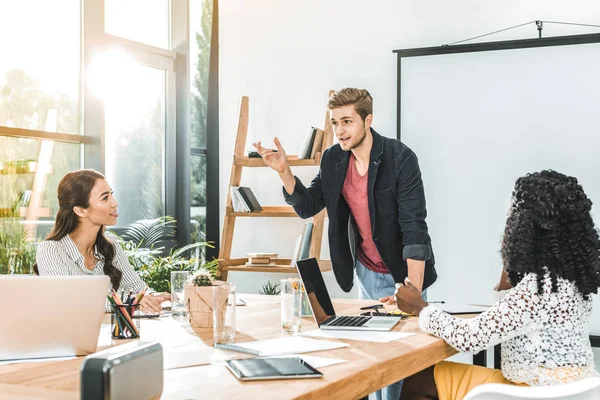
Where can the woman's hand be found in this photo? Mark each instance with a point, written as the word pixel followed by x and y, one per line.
pixel 151 303
pixel 409 299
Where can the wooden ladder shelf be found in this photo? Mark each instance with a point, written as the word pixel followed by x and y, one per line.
pixel 240 160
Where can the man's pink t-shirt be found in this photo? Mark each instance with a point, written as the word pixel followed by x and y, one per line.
pixel 355 194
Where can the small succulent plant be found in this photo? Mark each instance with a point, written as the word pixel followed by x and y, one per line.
pixel 270 288
pixel 202 277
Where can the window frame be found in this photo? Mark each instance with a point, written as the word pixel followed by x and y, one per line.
pixel 177 150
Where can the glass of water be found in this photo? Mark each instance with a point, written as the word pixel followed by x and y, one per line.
pixel 291 305
pixel 178 279
pixel 224 313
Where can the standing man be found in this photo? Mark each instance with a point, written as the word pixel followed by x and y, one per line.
pixel 372 188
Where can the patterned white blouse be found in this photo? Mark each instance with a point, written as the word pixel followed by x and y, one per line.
pixel 545 338
pixel 61 257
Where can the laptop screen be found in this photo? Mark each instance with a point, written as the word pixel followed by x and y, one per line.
pixel 319 299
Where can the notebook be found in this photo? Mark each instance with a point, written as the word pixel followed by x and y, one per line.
pixel 322 307
pixel 281 346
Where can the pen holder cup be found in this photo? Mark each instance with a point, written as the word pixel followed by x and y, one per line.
pixel 124 321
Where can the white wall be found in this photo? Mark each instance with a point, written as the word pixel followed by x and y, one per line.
pixel 286 55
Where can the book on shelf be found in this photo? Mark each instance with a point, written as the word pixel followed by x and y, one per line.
pixel 259 260
pixel 271 264
pixel 249 198
pixel 296 251
pixel 306 239
pixel 270 255
pixel 307 144
pixel 237 201
pixel 317 143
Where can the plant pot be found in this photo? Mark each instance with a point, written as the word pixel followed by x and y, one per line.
pixel 199 304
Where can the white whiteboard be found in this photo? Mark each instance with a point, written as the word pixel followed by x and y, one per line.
pixel 477 122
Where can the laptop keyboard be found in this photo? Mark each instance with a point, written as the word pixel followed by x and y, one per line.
pixel 349 321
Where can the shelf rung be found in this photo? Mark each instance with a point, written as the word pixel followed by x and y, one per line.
pixel 268 212
pixel 282 265
pixel 258 162
pixel 282 269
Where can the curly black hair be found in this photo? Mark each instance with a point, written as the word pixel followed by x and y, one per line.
pixel 549 230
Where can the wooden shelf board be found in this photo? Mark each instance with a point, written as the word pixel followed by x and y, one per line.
pixel 267 212
pixel 278 268
pixel 39 213
pixel 282 265
pixel 42 212
pixel 258 162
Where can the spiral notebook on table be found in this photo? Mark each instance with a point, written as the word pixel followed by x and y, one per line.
pixel 281 346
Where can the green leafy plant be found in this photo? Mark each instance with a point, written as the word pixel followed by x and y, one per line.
pixel 17 253
pixel 270 288
pixel 141 242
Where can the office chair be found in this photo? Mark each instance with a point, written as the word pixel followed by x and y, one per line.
pixel 585 389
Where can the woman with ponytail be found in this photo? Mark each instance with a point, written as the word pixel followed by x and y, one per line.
pixel 78 246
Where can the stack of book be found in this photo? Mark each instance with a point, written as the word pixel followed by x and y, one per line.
pixel 261 259
pixel 243 200
pixel 311 147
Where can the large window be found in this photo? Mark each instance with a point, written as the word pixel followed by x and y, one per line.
pixel 144 21
pixel 93 84
pixel 135 108
pixel 201 12
pixel 40 117
pixel 39 67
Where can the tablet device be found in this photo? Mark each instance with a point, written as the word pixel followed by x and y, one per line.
pixel 251 369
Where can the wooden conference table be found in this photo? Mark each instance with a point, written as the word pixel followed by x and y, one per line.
pixel 370 366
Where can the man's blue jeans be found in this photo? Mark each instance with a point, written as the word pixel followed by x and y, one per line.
pixel 374 285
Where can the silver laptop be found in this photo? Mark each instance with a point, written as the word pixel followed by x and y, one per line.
pixel 322 307
pixel 51 316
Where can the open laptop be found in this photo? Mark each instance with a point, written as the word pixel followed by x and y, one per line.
pixel 322 307
pixel 51 316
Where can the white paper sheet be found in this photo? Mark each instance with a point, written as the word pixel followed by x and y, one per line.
pixel 201 354
pixel 189 356
pixel 285 345
pixel 367 336
pixel 318 362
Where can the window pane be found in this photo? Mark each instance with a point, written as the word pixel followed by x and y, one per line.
pixel 198 186
pixel 135 137
pixel 200 34
pixel 145 21
pixel 39 69
pixel 30 171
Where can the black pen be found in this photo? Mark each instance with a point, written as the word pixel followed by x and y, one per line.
pixel 373 307
pixel 440 302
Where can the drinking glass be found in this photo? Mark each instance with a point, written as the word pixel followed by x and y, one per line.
pixel 224 313
pixel 291 305
pixel 178 279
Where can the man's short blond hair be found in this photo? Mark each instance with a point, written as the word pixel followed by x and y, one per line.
pixel 360 98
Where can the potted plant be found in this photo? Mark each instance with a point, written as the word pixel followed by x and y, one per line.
pixel 144 243
pixel 198 298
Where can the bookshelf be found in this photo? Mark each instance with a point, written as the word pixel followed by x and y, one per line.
pixel 240 160
pixel 36 172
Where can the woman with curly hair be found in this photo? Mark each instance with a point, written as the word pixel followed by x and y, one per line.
pixel 551 256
